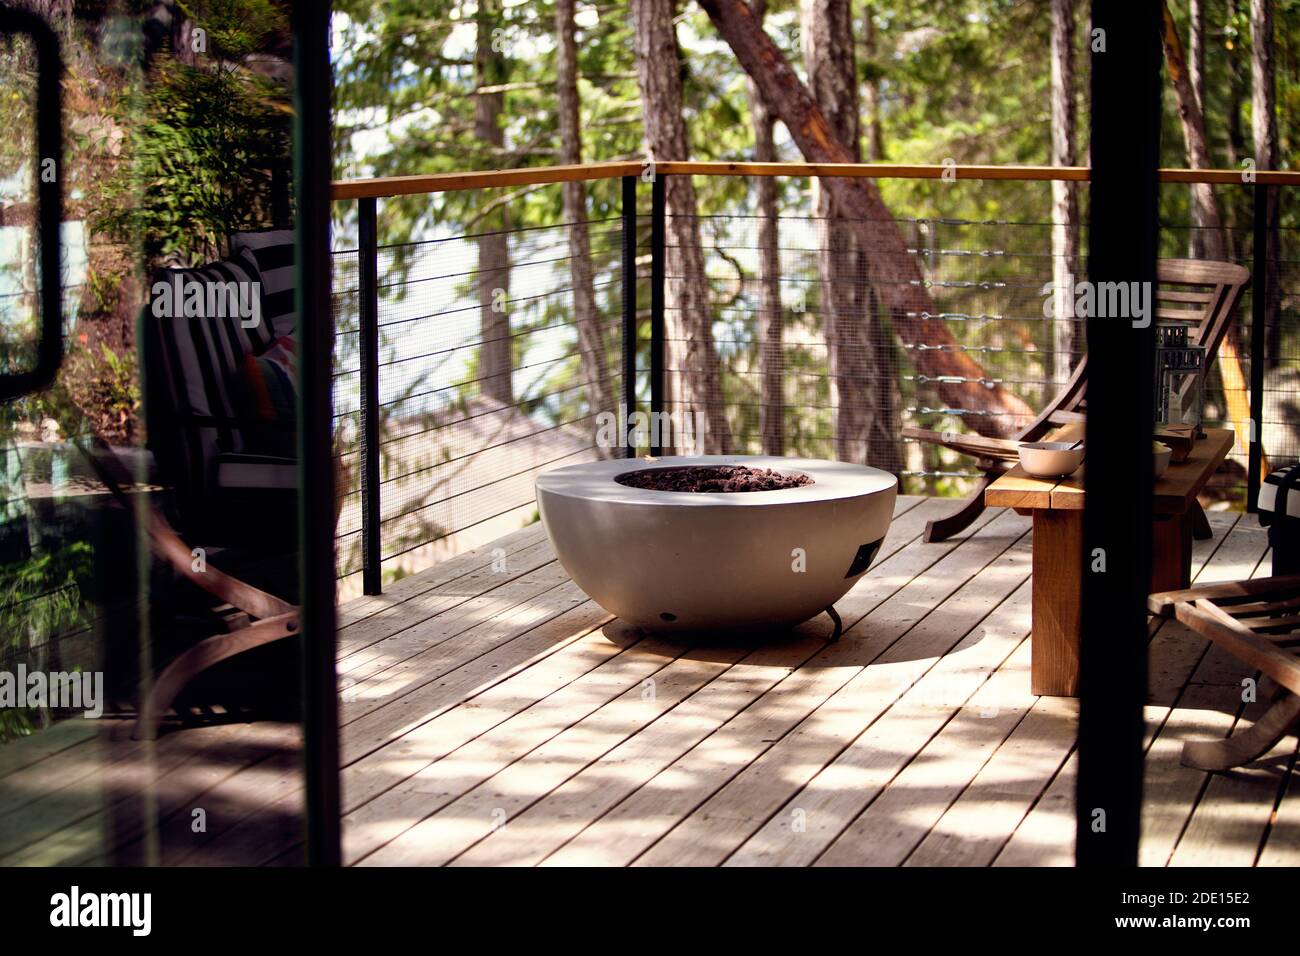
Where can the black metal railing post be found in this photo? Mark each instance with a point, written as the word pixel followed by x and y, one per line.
pixel 1115 552
pixel 657 243
pixel 368 287
pixel 1261 203
pixel 316 492
pixel 629 308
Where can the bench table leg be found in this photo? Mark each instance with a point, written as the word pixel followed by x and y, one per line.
pixel 1171 552
pixel 1057 599
pixel 1058 590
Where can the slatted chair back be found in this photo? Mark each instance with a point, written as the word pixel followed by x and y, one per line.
pixel 1258 622
pixel 1203 294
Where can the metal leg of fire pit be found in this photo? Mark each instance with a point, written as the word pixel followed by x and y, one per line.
pixel 839 625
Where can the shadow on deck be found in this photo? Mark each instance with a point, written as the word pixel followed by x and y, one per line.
pixel 491 714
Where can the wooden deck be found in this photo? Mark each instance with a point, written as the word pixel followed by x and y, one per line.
pixel 490 716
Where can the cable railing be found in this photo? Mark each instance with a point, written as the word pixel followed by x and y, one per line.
pixel 467 363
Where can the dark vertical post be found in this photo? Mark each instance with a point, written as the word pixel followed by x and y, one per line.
pixel 1122 238
pixel 280 185
pixel 629 306
pixel 1261 203
pixel 657 242
pixel 311 148
pixel 368 292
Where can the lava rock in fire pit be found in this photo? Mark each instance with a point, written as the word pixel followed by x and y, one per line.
pixel 712 478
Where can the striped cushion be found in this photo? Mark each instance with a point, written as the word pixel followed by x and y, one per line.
pixel 199 355
pixel 271 256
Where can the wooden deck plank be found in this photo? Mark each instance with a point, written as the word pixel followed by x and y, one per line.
pixel 268 793
pixel 469 758
pixel 73 828
pixel 443 573
pixel 932 682
pixel 1046 835
pixel 441 614
pixel 1282 844
pixel 886 606
pixel 975 827
pixel 1231 819
pixel 507 645
pixel 35 781
pixel 408 755
pixel 492 717
pixel 901 532
pixel 936 746
pixel 485 655
pixel 1208 708
pixel 493 804
pixel 414 752
pixel 499 664
pixel 378 789
pixel 40 746
pixel 988 812
pixel 251 835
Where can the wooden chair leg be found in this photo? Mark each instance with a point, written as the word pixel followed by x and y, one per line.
pixel 1241 748
pixel 199 658
pixel 1201 529
pixel 941 529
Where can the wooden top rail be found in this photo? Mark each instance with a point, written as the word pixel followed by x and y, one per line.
pixel 540 175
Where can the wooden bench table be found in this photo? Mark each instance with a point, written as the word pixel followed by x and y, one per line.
pixel 1056 505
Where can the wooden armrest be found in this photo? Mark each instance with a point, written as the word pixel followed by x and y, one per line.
pixel 997 449
pixel 1062 417
pixel 169 546
pixel 1163 602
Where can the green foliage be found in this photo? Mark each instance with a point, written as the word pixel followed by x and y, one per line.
pixel 203 144
pixel 40 597
pixel 236 28
pixel 960 80
pixel 103 384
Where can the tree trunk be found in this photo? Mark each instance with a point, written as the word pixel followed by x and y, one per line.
pixel 1206 219
pixel 1196 50
pixel 1196 76
pixel 1205 213
pixel 1237 92
pixel 1263 121
pixel 693 378
pixel 855 356
pixel 890 267
pixel 495 352
pixel 591 338
pixel 884 429
pixel 771 357
pixel 827 35
pixel 871 96
pixel 1235 147
pixel 1065 201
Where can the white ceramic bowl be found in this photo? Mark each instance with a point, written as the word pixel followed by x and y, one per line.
pixel 1162 459
pixel 1050 459
pixel 680 561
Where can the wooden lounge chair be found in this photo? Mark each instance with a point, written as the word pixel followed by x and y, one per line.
pixel 1195 291
pixel 1257 622
pixel 228 494
pixel 252 617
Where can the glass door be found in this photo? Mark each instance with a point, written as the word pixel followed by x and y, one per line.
pixel 152 703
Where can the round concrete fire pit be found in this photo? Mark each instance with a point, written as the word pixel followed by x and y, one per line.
pixel 697 560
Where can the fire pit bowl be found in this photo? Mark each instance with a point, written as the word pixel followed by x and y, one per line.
pixel 709 560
